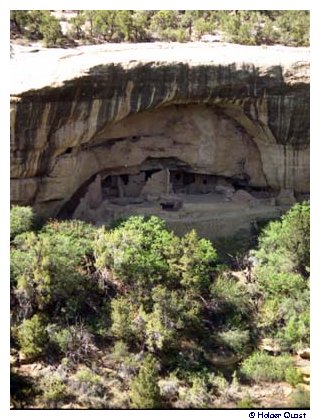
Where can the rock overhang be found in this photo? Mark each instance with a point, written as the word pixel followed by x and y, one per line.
pixel 103 105
pixel 28 71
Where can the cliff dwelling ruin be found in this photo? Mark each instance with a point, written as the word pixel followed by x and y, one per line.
pixel 167 185
pixel 211 145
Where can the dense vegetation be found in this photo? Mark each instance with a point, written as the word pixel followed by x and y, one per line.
pixel 249 27
pixel 135 316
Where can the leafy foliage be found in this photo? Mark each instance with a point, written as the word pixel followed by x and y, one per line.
pixel 37 24
pixel 89 386
pixel 236 340
pixel 21 220
pixel 294 27
pixel 162 277
pixel 50 30
pixel 138 252
pixel 282 275
pixel 301 399
pixel 74 342
pixel 250 27
pixel 285 244
pixel 33 337
pixel 122 321
pixel 196 262
pixel 262 367
pixel 76 23
pixel 293 376
pixel 52 269
pixel 246 402
pixel 18 21
pixel 145 391
pixel 158 306
pixel 88 377
pixel 54 391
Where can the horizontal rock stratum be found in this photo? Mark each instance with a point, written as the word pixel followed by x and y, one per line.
pixel 237 113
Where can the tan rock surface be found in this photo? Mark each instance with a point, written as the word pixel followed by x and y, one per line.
pixel 29 73
pixel 233 111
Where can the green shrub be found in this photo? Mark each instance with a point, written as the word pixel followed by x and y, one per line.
pixel 267 34
pixel 197 262
pixel 145 391
pixel 220 383
pixel 246 402
pixel 32 336
pixel 21 220
pixel 124 359
pixel 232 303
pixel 138 252
pixel 173 313
pixel 287 319
pixel 74 342
pixel 80 233
pixel 21 261
pixel 99 323
pixel 269 314
pixel 227 291
pixel 202 26
pixel 281 284
pixel 241 27
pixel 282 276
pixel 159 331
pixel 290 27
pixel 89 388
pixel 296 333
pixel 174 35
pixel 294 27
pixel 236 340
pixel 63 339
pixel 164 19
pixel 143 253
pixel 181 35
pixel 235 380
pixel 287 241
pixel 122 315
pixel 53 269
pixel 51 31
pixel 246 34
pixel 198 396
pixel 54 391
pixel 120 351
pixel 163 277
pixel 300 399
pixel 87 376
pixel 42 25
pixel 262 367
pixel 19 18
pixel 293 376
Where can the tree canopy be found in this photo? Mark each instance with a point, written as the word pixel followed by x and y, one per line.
pixel 249 27
pixel 154 307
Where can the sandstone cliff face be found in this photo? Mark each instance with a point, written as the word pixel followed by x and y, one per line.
pixel 244 118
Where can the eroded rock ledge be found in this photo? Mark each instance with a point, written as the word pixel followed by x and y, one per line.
pixel 175 121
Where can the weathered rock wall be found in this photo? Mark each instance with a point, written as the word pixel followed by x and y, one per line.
pixel 224 118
